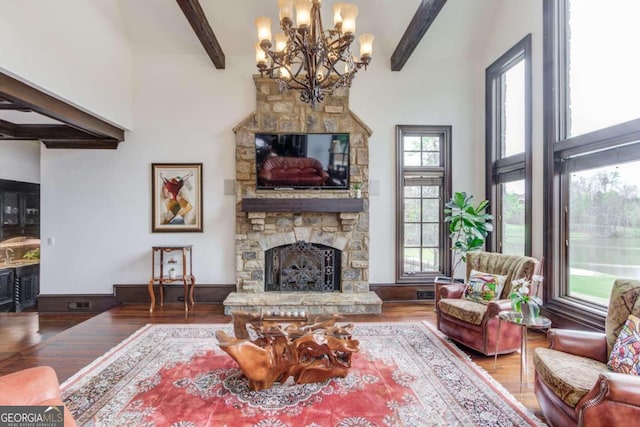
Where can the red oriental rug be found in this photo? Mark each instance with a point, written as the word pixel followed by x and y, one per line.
pixel 406 374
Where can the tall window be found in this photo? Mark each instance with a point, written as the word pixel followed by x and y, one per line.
pixel 508 133
pixel 423 185
pixel 592 133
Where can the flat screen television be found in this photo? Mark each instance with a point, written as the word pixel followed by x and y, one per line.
pixel 302 161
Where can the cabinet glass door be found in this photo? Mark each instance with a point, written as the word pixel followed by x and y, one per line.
pixel 31 209
pixel 10 208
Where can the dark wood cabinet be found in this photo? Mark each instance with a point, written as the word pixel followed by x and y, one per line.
pixel 27 286
pixel 7 279
pixel 19 209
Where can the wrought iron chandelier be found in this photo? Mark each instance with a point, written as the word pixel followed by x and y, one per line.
pixel 308 57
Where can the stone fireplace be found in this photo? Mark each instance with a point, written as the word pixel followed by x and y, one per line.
pixel 320 238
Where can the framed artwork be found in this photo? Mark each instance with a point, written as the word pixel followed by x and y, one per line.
pixel 176 197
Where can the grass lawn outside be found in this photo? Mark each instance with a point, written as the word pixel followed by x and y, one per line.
pixel 590 285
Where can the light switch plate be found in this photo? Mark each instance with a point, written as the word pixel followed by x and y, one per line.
pixel 229 187
pixel 374 187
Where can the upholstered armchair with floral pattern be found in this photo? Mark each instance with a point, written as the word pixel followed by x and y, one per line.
pixel 573 383
pixel 474 323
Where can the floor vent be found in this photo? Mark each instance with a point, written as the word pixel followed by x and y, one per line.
pixel 425 295
pixel 79 306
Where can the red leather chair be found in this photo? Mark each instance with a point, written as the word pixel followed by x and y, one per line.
pixel 292 171
pixel 33 387
pixel 475 324
pixel 572 382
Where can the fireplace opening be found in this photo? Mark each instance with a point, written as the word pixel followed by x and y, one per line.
pixel 302 266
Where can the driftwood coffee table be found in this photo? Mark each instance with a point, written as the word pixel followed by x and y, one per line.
pixel 287 346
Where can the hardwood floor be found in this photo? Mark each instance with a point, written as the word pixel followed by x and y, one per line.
pixel 68 342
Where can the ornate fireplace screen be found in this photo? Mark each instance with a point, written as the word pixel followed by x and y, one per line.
pixel 302 266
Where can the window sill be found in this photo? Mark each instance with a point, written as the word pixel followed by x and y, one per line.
pixel 570 313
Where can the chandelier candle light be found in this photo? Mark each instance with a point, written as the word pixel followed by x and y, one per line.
pixel 308 57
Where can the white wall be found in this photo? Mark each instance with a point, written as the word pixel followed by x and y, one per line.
pixel 184 111
pixel 20 161
pixel 76 50
pixel 514 19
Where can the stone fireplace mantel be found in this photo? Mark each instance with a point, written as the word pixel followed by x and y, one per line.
pixel 302 205
pixel 258 208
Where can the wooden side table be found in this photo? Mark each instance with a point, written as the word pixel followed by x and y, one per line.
pixel 540 322
pixel 164 259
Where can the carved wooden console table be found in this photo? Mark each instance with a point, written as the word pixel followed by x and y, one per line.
pixel 172 270
pixel 307 350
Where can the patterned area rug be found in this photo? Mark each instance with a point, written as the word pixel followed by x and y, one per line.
pixel 406 374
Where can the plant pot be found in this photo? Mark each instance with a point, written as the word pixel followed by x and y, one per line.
pixel 359 193
pixel 530 311
pixel 172 274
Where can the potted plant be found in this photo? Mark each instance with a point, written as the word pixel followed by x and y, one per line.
pixel 33 254
pixel 523 300
pixel 172 267
pixel 469 225
pixel 358 189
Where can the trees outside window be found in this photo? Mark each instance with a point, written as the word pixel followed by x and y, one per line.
pixel 515 232
pixel 604 229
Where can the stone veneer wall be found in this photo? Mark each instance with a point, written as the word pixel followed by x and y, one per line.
pixel 258 231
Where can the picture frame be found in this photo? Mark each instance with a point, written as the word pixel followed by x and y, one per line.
pixel 176 197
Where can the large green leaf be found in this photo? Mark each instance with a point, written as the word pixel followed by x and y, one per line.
pixel 469 225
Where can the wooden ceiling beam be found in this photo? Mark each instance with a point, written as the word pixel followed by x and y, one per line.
pixel 18 92
pixel 7 128
pixel 33 131
pixel 13 107
pixel 95 143
pixel 54 136
pixel 5 104
pixel 196 17
pixel 420 23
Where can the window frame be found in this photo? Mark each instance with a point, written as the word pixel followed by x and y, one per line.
pixel 444 133
pixel 595 148
pixel 500 170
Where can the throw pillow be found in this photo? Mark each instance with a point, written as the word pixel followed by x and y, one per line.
pixel 625 356
pixel 484 287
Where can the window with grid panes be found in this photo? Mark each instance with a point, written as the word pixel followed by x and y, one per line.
pixel 424 183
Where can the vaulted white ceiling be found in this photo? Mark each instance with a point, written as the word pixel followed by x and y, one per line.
pixel 159 27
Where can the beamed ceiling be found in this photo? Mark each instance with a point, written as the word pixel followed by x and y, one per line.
pixel 27 113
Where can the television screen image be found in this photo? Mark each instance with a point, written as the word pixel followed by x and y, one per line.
pixel 302 161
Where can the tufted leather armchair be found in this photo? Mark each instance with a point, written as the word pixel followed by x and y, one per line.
pixel 292 171
pixel 33 387
pixel 572 382
pixel 475 324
